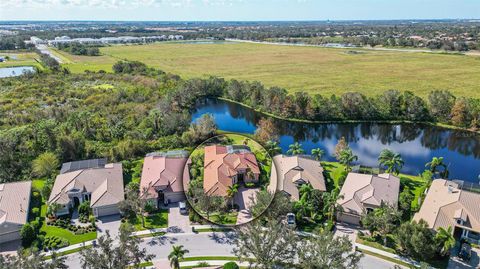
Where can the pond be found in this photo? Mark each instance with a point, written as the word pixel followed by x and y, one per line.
pixel 6 72
pixel 417 143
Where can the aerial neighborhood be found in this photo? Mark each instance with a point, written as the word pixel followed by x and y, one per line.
pixel 221 144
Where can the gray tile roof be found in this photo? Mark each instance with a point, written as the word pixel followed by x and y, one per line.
pixel 14 202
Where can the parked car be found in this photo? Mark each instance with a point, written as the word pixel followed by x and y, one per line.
pixel 465 252
pixel 183 208
pixel 291 220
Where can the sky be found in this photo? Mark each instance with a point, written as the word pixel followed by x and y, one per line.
pixel 237 10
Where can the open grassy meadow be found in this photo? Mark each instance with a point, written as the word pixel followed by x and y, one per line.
pixel 20 59
pixel 313 69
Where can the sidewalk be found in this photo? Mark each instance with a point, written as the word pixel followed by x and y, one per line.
pixel 387 254
pixel 165 264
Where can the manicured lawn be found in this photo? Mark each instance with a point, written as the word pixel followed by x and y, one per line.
pixel 230 218
pixel 56 231
pixel 316 70
pixel 335 172
pixel 153 221
pixel 71 237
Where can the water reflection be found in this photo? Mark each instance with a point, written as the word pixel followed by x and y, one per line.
pixel 416 142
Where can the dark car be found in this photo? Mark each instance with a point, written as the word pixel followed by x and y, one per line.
pixel 465 252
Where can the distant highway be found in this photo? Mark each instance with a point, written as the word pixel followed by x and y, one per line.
pixel 46 50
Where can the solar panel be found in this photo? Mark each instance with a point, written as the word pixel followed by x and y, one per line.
pixel 83 164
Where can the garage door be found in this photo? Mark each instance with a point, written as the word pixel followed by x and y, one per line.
pixel 349 219
pixel 7 237
pixel 105 211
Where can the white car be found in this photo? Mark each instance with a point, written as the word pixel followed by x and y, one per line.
pixel 291 220
pixel 183 208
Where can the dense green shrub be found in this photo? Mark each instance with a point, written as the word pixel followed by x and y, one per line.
pixel 230 265
pixel 28 234
pixel 55 242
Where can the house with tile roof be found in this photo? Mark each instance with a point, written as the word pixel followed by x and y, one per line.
pixel 14 206
pixel 162 179
pixel 447 205
pixel 225 166
pixel 102 185
pixel 289 173
pixel 364 192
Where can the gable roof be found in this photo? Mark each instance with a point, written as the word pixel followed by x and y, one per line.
pixel 14 202
pixel 163 172
pixel 292 170
pixel 104 183
pixel 360 190
pixel 222 163
pixel 445 203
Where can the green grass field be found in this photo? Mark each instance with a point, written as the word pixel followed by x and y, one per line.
pixel 20 59
pixel 317 70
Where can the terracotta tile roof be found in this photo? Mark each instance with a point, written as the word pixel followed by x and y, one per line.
pixel 361 190
pixel 104 183
pixel 221 164
pixel 292 170
pixel 445 203
pixel 14 202
pixel 163 172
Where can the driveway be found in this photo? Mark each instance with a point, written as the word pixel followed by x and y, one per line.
pixel 109 223
pixel 10 248
pixel 343 229
pixel 456 263
pixel 244 200
pixel 178 223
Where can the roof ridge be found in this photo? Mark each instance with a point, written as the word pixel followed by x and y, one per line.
pixel 68 183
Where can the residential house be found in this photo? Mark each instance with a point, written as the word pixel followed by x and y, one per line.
pixel 362 193
pixel 447 205
pixel 225 166
pixel 95 180
pixel 14 206
pixel 289 173
pixel 162 177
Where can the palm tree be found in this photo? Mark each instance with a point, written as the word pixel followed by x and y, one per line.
pixel 231 191
pixel 347 158
pixel 445 239
pixel 330 205
pixel 273 148
pixel 317 153
pixel 177 254
pixel 295 149
pixel 393 161
pixel 52 209
pixel 435 163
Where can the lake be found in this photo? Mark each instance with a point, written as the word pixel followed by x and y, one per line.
pixel 6 72
pixel 417 143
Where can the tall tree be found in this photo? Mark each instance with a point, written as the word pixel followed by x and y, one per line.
pixel 445 240
pixel 266 130
pixel 295 149
pixel 45 164
pixel 435 164
pixel 109 255
pixel 382 220
pixel 330 204
pixel 324 251
pixel 317 153
pixel 176 255
pixel 231 191
pixel 416 239
pixel 273 147
pixel 393 161
pixel 27 259
pixel 341 146
pixel 347 158
pixel 269 244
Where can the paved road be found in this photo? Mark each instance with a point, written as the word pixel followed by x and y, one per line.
pixel 207 244
pixel 46 50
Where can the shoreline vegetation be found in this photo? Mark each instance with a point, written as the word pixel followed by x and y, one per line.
pixel 436 124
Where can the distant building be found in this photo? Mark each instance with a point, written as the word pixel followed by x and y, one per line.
pixel 292 172
pixel 108 40
pixel 162 177
pixel 90 180
pixel 228 165
pixel 14 206
pixel 362 193
pixel 446 205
